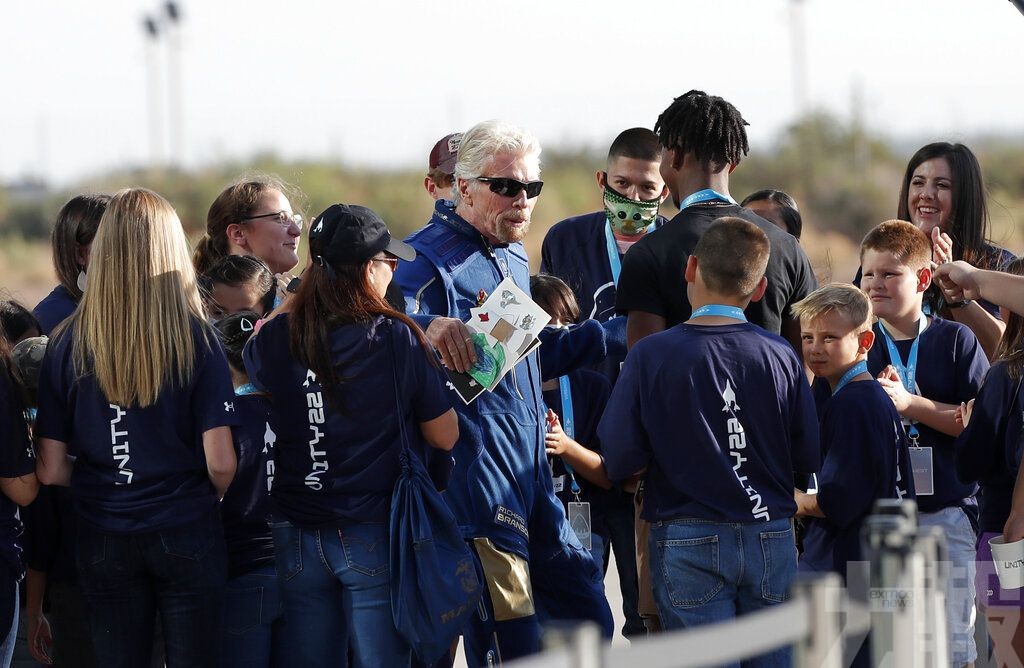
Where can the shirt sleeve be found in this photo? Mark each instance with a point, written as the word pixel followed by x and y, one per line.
pixel 847 482
pixel 638 288
pixel 804 281
pixel 624 442
pixel 565 349
pixel 971 365
pixel 804 431
pixel 213 395
pixel 16 457
pixel 54 416
pixel 980 446
pixel 430 399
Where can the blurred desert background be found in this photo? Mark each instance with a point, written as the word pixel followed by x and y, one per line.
pixel 844 178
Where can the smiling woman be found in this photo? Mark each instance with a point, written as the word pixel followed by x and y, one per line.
pixel 943 194
pixel 251 217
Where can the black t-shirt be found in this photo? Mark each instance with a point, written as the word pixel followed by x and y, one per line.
pixel 652 278
pixel 16 460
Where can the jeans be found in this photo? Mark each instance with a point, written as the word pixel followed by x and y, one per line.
pixel 621 538
pixel 336 588
pixel 705 572
pixel 960 608
pixel 128 579
pixel 253 620
pixel 69 621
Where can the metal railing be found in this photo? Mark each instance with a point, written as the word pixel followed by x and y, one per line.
pixel 899 596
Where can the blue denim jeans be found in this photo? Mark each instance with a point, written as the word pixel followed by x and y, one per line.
pixel 705 572
pixel 621 539
pixel 336 588
pixel 128 579
pixel 253 620
pixel 960 607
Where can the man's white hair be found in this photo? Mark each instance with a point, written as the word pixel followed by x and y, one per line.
pixel 484 140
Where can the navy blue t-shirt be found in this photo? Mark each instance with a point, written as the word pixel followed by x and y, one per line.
pixel 721 416
pixel 989 448
pixel 950 367
pixel 246 505
pixel 576 251
pixel 137 469
pixel 54 309
pixel 16 460
pixel 589 391
pixel 334 467
pixel 865 459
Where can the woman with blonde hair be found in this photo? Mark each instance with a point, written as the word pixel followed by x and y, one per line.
pixel 135 410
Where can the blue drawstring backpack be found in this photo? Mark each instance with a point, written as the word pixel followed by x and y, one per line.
pixel 435 585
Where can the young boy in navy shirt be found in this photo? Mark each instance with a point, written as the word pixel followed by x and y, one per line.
pixel 719 415
pixel 863 444
pixel 928 366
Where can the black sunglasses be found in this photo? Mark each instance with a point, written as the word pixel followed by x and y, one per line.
pixel 511 187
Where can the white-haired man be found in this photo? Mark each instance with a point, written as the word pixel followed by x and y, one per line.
pixel 500 489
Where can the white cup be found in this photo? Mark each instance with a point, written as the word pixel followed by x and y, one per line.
pixel 1009 561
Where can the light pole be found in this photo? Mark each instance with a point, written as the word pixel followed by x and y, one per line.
pixel 156 139
pixel 174 91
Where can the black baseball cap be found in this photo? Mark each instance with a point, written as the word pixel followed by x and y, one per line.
pixel 347 234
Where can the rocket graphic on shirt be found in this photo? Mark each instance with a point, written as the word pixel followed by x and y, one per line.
pixel 729 397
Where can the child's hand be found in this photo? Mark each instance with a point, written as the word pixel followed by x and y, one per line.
pixel 890 373
pixel 555 440
pixel 963 413
pixel 900 397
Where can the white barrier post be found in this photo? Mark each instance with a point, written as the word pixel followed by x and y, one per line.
pixel 895 583
pixel 823 646
pixel 582 641
pixel 931 544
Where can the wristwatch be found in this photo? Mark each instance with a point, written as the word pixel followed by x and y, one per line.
pixel 960 304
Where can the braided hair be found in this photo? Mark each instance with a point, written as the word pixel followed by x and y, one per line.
pixel 235 330
pixel 706 126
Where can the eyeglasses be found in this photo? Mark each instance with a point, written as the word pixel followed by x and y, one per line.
pixel 282 218
pixel 390 261
pixel 511 187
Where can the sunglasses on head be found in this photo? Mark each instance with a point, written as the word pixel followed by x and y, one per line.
pixel 511 187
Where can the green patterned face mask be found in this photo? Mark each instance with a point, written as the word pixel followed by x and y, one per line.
pixel 629 217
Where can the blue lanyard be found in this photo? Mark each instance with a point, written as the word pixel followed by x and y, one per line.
pixel 721 310
pixel 243 390
pixel 854 371
pixel 568 426
pixel 908 373
pixel 614 261
pixel 705 195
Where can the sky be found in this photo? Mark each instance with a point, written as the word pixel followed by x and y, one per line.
pixel 374 83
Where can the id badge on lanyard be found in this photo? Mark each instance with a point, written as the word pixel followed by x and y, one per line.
pixel 578 511
pixel 921 459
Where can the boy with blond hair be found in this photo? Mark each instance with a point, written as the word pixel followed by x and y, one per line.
pixel 863 445
pixel 864 449
pixel 927 366
pixel 717 415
